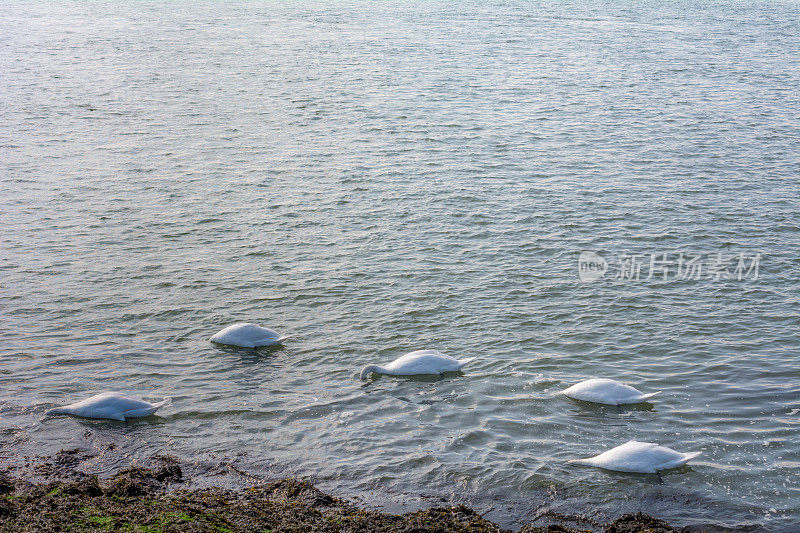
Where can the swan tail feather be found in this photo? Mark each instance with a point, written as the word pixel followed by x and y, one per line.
pixel 463 362
pixel 163 403
pixel 280 340
pixel 645 397
pixel 690 455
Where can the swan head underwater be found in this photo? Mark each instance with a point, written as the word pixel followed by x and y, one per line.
pixel 417 363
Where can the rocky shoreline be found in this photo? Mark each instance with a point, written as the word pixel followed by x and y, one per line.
pixel 150 500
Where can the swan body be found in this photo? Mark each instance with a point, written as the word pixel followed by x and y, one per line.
pixel 633 456
pixel 607 391
pixel 111 405
pixel 248 336
pixel 416 363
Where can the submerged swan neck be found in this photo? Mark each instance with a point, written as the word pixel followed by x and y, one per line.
pixel 370 369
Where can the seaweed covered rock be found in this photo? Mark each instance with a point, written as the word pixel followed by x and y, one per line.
pixel 144 499
pixel 88 486
pixel 137 480
pixel 446 520
pixel 639 523
pixel 300 492
pixel 168 470
pixel 6 484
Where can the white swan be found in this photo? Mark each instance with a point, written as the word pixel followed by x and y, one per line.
pixel 416 363
pixel 607 391
pixel 110 405
pixel 248 336
pixel 633 456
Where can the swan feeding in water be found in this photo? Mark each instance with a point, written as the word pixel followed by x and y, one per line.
pixel 111 405
pixel 607 391
pixel 248 336
pixel 417 363
pixel 642 457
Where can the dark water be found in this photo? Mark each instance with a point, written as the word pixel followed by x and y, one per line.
pixel 375 178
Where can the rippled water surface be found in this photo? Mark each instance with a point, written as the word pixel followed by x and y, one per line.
pixel 378 177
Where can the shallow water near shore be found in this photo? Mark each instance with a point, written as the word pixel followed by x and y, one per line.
pixel 376 178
